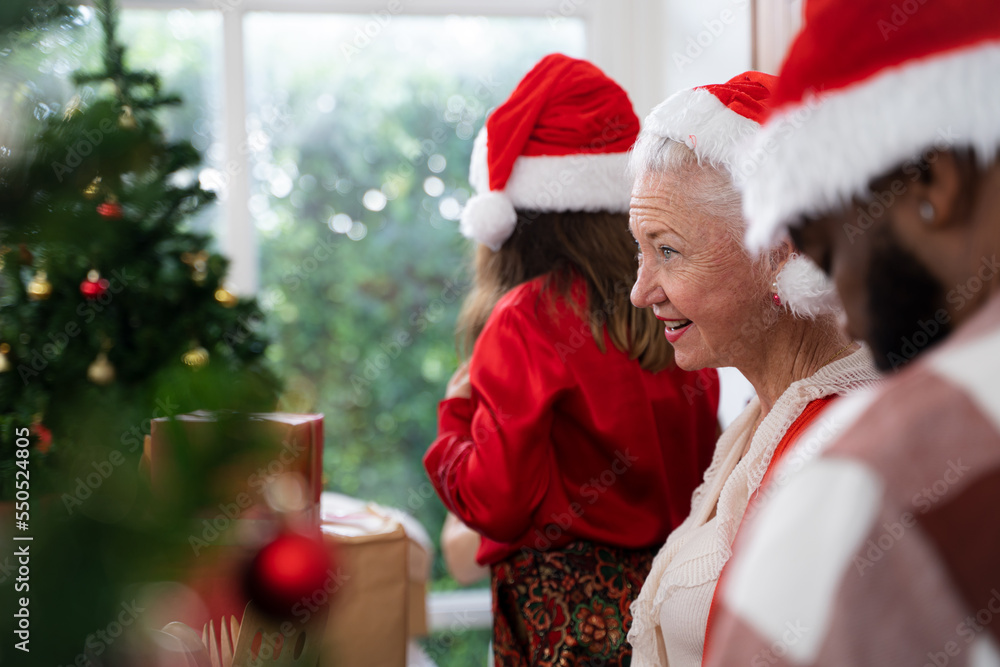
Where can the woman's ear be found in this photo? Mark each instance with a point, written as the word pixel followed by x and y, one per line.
pixel 780 254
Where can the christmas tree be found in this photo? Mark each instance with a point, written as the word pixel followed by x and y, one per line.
pixel 112 311
pixel 108 301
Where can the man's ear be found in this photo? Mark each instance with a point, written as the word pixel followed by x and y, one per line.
pixel 935 201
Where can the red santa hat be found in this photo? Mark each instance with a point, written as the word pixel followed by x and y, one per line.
pixel 714 121
pixel 718 123
pixel 867 86
pixel 559 143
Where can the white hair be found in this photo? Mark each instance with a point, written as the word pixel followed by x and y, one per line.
pixel 802 287
pixel 707 186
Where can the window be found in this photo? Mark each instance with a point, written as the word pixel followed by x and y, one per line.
pixel 356 187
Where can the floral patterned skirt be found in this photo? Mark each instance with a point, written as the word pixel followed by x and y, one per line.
pixel 570 606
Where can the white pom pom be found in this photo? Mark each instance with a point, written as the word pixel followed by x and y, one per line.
pixel 489 218
pixel 806 290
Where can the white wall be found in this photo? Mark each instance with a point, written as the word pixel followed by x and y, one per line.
pixel 705 42
pixel 657 47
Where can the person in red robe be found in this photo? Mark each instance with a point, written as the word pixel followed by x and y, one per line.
pixel 568 438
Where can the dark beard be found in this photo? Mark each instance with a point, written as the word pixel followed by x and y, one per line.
pixel 903 302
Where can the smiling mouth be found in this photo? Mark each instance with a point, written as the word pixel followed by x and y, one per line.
pixel 676 325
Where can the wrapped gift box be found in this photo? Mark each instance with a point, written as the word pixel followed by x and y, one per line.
pixel 386 559
pixel 295 444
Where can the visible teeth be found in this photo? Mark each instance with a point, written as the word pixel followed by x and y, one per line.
pixel 674 325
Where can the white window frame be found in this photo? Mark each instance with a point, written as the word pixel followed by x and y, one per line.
pixel 775 23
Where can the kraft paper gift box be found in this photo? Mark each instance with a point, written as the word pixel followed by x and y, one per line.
pixel 385 557
pixel 295 444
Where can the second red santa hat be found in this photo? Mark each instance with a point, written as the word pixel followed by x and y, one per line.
pixel 559 143
pixel 719 122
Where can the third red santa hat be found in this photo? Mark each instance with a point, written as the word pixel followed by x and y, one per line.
pixel 559 143
pixel 867 86
pixel 718 123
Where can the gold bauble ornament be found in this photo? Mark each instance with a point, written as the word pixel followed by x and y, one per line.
pixel 101 371
pixel 196 357
pixel 4 361
pixel 39 289
pixel 226 298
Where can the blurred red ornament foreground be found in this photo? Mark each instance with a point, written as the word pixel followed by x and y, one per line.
pixel 44 437
pixel 288 572
pixel 110 209
pixel 92 289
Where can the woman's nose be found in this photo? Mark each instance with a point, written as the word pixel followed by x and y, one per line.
pixel 645 292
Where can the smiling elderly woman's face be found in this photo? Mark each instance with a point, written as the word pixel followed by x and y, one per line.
pixel 693 272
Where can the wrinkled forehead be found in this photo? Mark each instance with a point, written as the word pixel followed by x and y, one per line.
pixel 661 199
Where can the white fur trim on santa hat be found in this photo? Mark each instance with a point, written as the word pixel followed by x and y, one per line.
pixel 805 290
pixel 700 121
pixel 581 182
pixel 817 156
pixel 489 218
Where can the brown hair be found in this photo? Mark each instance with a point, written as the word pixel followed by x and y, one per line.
pixel 594 246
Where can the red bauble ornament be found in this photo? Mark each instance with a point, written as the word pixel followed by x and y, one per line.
pixel 94 286
pixel 293 569
pixel 110 209
pixel 43 437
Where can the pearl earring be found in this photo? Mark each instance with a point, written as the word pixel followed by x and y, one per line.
pixel 926 211
pixel 774 294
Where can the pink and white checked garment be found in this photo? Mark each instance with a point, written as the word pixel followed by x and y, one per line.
pixel 879 542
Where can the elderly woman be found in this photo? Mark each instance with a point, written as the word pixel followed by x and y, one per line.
pixel 772 317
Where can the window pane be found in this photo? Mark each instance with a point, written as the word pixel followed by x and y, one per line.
pixel 183 47
pixel 364 133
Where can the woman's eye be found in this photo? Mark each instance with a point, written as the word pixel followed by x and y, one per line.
pixel 667 251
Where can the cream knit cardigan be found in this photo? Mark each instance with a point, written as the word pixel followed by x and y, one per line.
pixel 671 613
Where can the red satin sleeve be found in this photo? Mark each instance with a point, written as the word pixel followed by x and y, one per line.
pixel 492 460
